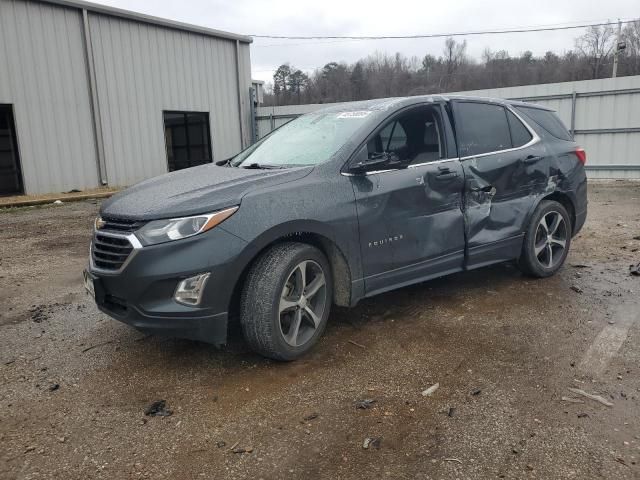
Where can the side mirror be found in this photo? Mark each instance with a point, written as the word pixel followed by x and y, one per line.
pixel 377 161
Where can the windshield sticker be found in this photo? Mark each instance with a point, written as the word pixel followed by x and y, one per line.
pixel 360 114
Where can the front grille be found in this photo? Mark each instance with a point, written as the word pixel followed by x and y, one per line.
pixel 121 225
pixel 110 253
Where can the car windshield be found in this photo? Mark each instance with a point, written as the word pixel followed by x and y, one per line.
pixel 307 140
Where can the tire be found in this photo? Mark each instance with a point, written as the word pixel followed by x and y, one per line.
pixel 543 254
pixel 277 296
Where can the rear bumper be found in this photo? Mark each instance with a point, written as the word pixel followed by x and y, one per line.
pixel 581 218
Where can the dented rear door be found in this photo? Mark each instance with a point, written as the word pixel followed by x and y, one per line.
pixel 504 164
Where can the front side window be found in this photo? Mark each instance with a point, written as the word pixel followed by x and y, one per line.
pixel 398 140
pixel 392 139
pixel 308 140
pixel 414 137
pixel 482 128
pixel 188 139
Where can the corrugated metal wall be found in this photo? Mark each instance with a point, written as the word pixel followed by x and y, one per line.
pixel 594 110
pixel 143 69
pixel 43 74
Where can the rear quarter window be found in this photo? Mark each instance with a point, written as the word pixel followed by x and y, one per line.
pixel 519 134
pixel 547 120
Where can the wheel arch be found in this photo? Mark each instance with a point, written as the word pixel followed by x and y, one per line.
pixel 567 202
pixel 312 233
pixel 562 198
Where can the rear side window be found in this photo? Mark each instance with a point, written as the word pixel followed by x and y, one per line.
pixel 484 128
pixel 547 120
pixel 519 133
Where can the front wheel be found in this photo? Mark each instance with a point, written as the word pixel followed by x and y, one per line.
pixel 546 241
pixel 286 300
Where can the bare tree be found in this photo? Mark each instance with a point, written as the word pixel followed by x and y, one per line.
pixel 454 57
pixel 596 46
pixel 631 39
pixel 384 75
pixel 359 82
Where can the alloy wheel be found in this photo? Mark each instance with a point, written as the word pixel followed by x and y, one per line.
pixel 551 239
pixel 302 303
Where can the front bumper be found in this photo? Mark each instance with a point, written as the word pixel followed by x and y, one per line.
pixel 141 294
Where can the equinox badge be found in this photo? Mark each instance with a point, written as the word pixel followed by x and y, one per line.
pixel 385 241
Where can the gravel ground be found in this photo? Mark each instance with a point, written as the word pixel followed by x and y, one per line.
pixel 503 348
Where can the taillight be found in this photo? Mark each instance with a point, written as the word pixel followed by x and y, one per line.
pixel 582 155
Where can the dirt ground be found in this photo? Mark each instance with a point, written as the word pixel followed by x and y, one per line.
pixel 503 348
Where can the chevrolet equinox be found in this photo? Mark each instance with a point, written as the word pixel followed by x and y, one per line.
pixel 335 206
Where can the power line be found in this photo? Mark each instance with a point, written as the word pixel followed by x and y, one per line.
pixel 438 35
pixel 527 27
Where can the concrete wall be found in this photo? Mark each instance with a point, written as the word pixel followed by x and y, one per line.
pixel 606 121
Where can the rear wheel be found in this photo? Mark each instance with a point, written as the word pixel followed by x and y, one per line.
pixel 286 301
pixel 547 240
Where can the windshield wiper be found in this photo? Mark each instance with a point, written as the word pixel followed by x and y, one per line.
pixel 258 166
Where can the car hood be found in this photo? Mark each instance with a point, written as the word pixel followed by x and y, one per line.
pixel 191 191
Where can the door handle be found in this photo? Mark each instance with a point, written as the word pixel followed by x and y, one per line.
pixel 446 175
pixel 531 158
pixel 490 189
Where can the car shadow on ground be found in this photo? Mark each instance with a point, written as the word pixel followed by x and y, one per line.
pixel 482 288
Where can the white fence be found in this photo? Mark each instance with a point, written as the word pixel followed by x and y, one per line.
pixel 603 115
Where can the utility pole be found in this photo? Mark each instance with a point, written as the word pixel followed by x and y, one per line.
pixel 616 53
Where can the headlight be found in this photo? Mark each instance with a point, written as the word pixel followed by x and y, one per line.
pixel 160 231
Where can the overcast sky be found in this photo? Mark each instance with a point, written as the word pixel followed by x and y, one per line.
pixel 398 17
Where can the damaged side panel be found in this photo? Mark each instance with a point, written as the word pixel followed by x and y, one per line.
pixel 411 225
pixel 501 187
pixel 499 191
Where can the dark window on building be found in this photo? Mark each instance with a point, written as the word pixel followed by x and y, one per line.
pixel 519 133
pixel 483 128
pixel 188 139
pixel 547 120
pixel 10 175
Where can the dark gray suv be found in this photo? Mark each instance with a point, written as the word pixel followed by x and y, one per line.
pixel 337 205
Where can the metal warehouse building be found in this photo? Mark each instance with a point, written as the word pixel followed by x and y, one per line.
pixel 91 95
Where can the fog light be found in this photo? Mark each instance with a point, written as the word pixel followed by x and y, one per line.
pixel 189 291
